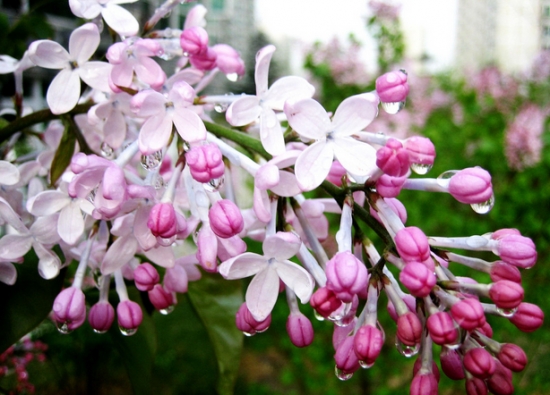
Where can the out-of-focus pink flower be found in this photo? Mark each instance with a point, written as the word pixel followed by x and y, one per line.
pixel 523 137
pixel 194 40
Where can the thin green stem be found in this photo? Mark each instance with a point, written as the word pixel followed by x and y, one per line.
pixel 240 138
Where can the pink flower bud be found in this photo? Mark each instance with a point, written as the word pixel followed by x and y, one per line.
pixel 392 87
pixel 388 186
pixel 145 277
pixel 176 279
pixel 396 206
pixel 393 159
pixel 418 365
pixel 299 329
pixel 228 59
pixel 500 383
pixel 506 294
pixel 345 357
pixel 468 313
pixel 69 308
pixel 194 40
pixel 162 220
pixel 409 329
pixel 517 250
pixel 129 316
pixel 412 245
pixel 479 362
pixel 205 60
pixel 418 279
pixel 207 249
pixel 336 173
pixel 528 317
pixel 101 316
pixel 246 323
pixel 324 301
pixel 225 218
pixel 472 185
pixel 424 384
pixel 499 234
pixel 205 162
pixel 346 276
pixel 504 271
pixel 486 329
pixel 513 357
pixel 421 150
pixel 442 328
pixel 451 364
pixel 475 386
pixel 160 297
pixel 368 343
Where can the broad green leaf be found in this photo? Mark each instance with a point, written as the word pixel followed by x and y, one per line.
pixel 216 301
pixel 138 351
pixel 26 303
pixel 63 155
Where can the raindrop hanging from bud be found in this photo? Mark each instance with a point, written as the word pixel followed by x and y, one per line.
pixel 342 375
pixel 107 151
pixel 485 207
pixel 393 107
pixel 127 331
pixel 406 351
pixel 420 168
pixel 151 161
pixel 63 328
pixel 233 77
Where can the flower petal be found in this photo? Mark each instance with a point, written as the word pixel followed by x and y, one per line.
pixel 96 75
pixel 70 224
pixel 353 115
pixel 48 262
pixel 243 111
pixel 49 202
pixel 287 186
pixel 120 20
pixel 244 265
pixel 308 118
pixel 356 157
pixel 313 165
pixel 262 293
pixel 281 246
pixel 271 133
pixel 189 125
pixel 120 253
pixel 10 173
pixel 84 42
pixel 162 256
pixel 44 229
pixel 287 88
pixel 64 91
pixel 14 246
pixel 296 278
pixel 87 9
pixel 154 134
pixel 263 59
pixel 49 54
pixel 8 273
pixel 262 205
pixel 8 214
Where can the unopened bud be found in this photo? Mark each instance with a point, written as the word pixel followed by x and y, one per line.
pixel 393 159
pixel 299 329
pixel 225 218
pixel 69 308
pixel 479 362
pixel 471 186
pixel 392 87
pixel 346 276
pixel 101 316
pixel 145 277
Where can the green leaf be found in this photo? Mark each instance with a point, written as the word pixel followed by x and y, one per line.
pixel 26 303
pixel 63 155
pixel 138 351
pixel 216 301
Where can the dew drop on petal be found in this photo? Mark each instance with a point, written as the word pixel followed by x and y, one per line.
pixel 263 330
pixel 233 77
pixel 406 351
pixel 508 313
pixel 249 334
pixel 99 331
pixel 221 107
pixel 342 375
pixel 366 365
pixel 63 328
pixel 420 168
pixel 318 316
pixel 127 331
pixel 151 161
pixel 107 151
pixel 393 107
pixel 485 207
pixel 167 310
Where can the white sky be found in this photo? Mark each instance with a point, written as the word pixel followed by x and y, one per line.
pixel 429 24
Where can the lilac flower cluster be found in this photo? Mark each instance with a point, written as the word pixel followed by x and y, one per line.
pixel 15 359
pixel 151 197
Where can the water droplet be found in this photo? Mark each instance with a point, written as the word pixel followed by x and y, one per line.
pixel 195 236
pixel 508 313
pixel 220 107
pixel 166 242
pixel 152 161
pixel 96 275
pixel 186 54
pixel 233 77
pixel 127 331
pixel 381 329
pixel 166 55
pixel 406 351
pixel 420 168
pixel 159 182
pixel 99 332
pixel 443 178
pixel 318 316
pixel 485 207
pixel 213 185
pixel 107 151
pixel 167 310
pixel 91 195
pixel 366 365
pixel 393 108
pixel 342 375
pixel 263 330
pixel 454 346
pixel 249 334
pixel 63 328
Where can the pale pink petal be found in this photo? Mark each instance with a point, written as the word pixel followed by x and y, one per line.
pixel 96 75
pixel 87 9
pixel 122 74
pixel 308 118
pixel 64 91
pixel 49 202
pixel 48 262
pixel 14 246
pixel 84 42
pixel 182 95
pixel 189 125
pixel 8 214
pixel 281 246
pixel 191 76
pixel 263 59
pixel 148 103
pixel 287 88
pixel 244 265
pixel 49 54
pixel 356 157
pixel 149 71
pixel 142 232
pixel 313 165
pixel 262 293
pixel 271 133
pixel 7 65
pixel 162 256
pixel 288 185
pixel 10 173
pixel 44 229
pixel 120 20
pixel 115 125
pixel 296 278
pixel 353 115
pixel 8 273
pixel 120 253
pixel 262 205
pixel 243 111
pixel 155 133
pixel 70 224
pixel 195 17
pixel 123 225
